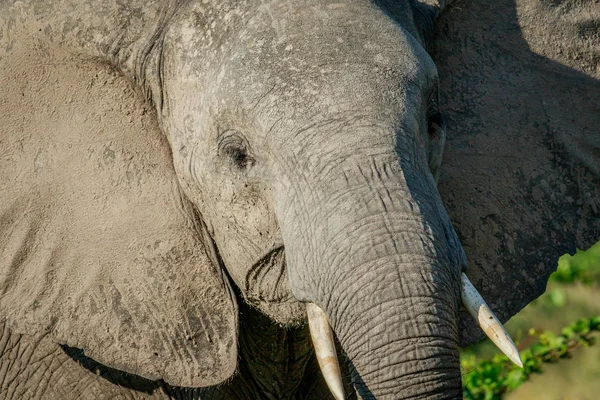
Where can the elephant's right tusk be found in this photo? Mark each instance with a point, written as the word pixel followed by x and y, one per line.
pixel 322 338
pixel 487 321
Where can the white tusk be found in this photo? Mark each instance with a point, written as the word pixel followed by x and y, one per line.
pixel 322 338
pixel 487 321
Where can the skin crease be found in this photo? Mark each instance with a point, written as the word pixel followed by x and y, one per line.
pixel 308 127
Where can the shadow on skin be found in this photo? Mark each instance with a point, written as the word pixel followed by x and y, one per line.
pixel 235 387
pixel 112 375
pixel 520 173
pixel 363 390
pixel 263 347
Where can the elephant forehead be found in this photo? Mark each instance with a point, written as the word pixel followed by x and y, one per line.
pixel 314 57
pixel 213 25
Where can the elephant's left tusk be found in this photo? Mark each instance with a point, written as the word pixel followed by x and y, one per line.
pixel 322 338
pixel 487 321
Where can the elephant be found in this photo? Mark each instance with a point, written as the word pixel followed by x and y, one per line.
pixel 183 180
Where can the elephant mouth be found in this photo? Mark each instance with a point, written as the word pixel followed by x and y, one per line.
pixel 266 286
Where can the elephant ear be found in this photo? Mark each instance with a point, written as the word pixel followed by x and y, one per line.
pixel 98 248
pixel 520 175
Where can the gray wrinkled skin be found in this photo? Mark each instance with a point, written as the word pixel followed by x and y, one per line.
pixel 179 177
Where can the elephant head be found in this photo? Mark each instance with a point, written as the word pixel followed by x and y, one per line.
pixel 290 158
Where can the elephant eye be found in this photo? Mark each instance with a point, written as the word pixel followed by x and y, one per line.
pixel 240 158
pixel 234 148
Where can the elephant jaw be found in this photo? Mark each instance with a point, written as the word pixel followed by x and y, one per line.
pixel 322 335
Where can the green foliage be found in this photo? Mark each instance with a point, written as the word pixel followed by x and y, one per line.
pixel 583 266
pixel 489 379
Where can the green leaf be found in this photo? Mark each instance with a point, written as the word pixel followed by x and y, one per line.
pixel 491 378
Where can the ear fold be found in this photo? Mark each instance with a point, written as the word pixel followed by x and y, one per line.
pixel 520 171
pixel 98 249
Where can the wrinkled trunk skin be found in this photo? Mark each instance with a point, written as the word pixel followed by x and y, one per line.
pixel 384 263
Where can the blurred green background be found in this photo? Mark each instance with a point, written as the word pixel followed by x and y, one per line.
pixel 573 293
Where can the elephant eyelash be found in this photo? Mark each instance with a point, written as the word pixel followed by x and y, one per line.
pixel 235 148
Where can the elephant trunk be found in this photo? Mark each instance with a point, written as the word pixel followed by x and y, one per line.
pixel 399 332
pixel 376 251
